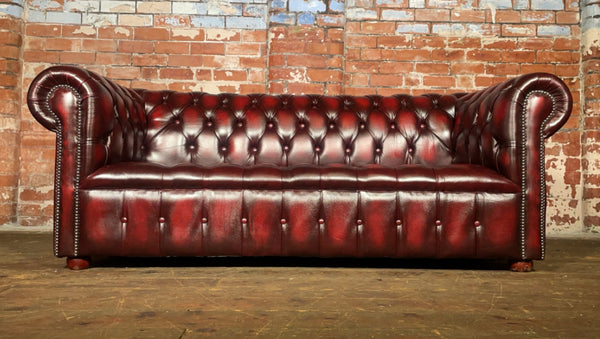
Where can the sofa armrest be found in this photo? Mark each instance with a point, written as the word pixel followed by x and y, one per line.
pixel 503 128
pixel 96 122
pixel 492 124
pixel 88 111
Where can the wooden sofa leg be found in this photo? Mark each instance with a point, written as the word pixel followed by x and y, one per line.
pixel 78 263
pixel 521 266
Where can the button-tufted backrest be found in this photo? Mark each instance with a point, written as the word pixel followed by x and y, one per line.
pixel 286 130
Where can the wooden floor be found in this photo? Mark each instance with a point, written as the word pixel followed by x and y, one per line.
pixel 304 298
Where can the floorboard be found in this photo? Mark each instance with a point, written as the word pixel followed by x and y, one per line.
pixel 291 297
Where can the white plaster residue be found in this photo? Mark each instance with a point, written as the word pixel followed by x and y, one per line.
pixel 492 8
pixel 122 9
pixel 517 30
pixel 220 34
pixel 590 41
pixel 459 30
pixel 443 3
pixel 45 4
pixel 7 124
pixel 226 61
pixel 121 30
pixel 186 33
pixel 87 30
pixel 101 20
pixel 299 76
pixel 221 8
pixel 562 217
pixel 212 87
pixel 557 188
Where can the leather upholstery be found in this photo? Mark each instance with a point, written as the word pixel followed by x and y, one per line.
pixel 209 130
pixel 154 173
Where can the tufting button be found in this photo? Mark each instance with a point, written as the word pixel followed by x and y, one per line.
pixel 317 149
pixel 255 101
pixel 286 148
pixel 204 220
pixel 348 150
pixel 378 150
pixel 142 147
pixel 240 124
pixel 302 125
pixel 393 125
pixel 438 222
pixel 422 126
pixel 411 150
pixel 270 125
pixel 177 122
pixel 321 221
pixel 209 123
pixel 283 221
pixel 359 222
pixel 244 221
pixel 192 147
pixel 331 125
pixel 223 148
pixel 398 222
pixel 123 219
pixel 161 220
pixel 477 223
pixel 375 104
pixel 195 100
pixel 254 149
pixel 362 126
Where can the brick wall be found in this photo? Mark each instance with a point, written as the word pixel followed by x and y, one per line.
pixel 306 47
pixel 591 117
pixel 312 46
pixel 11 37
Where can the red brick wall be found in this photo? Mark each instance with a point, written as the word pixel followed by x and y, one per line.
pixel 590 68
pixel 11 34
pixel 368 47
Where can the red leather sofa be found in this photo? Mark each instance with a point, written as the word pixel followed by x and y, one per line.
pixel 162 173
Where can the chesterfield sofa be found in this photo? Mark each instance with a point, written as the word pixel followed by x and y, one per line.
pixel 160 173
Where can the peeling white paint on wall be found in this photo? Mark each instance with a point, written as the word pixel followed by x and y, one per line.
pixel 492 8
pixel 220 34
pixel 299 76
pixel 186 33
pixel 590 40
pixel 221 8
pixel 87 30
pixel 124 31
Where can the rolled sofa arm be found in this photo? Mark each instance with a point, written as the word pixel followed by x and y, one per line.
pixel 96 122
pixel 503 128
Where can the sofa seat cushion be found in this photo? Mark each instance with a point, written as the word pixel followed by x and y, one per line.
pixel 454 178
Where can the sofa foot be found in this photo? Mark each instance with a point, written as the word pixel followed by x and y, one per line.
pixel 521 266
pixel 78 263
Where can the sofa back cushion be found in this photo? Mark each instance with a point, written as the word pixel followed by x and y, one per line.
pixel 286 130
